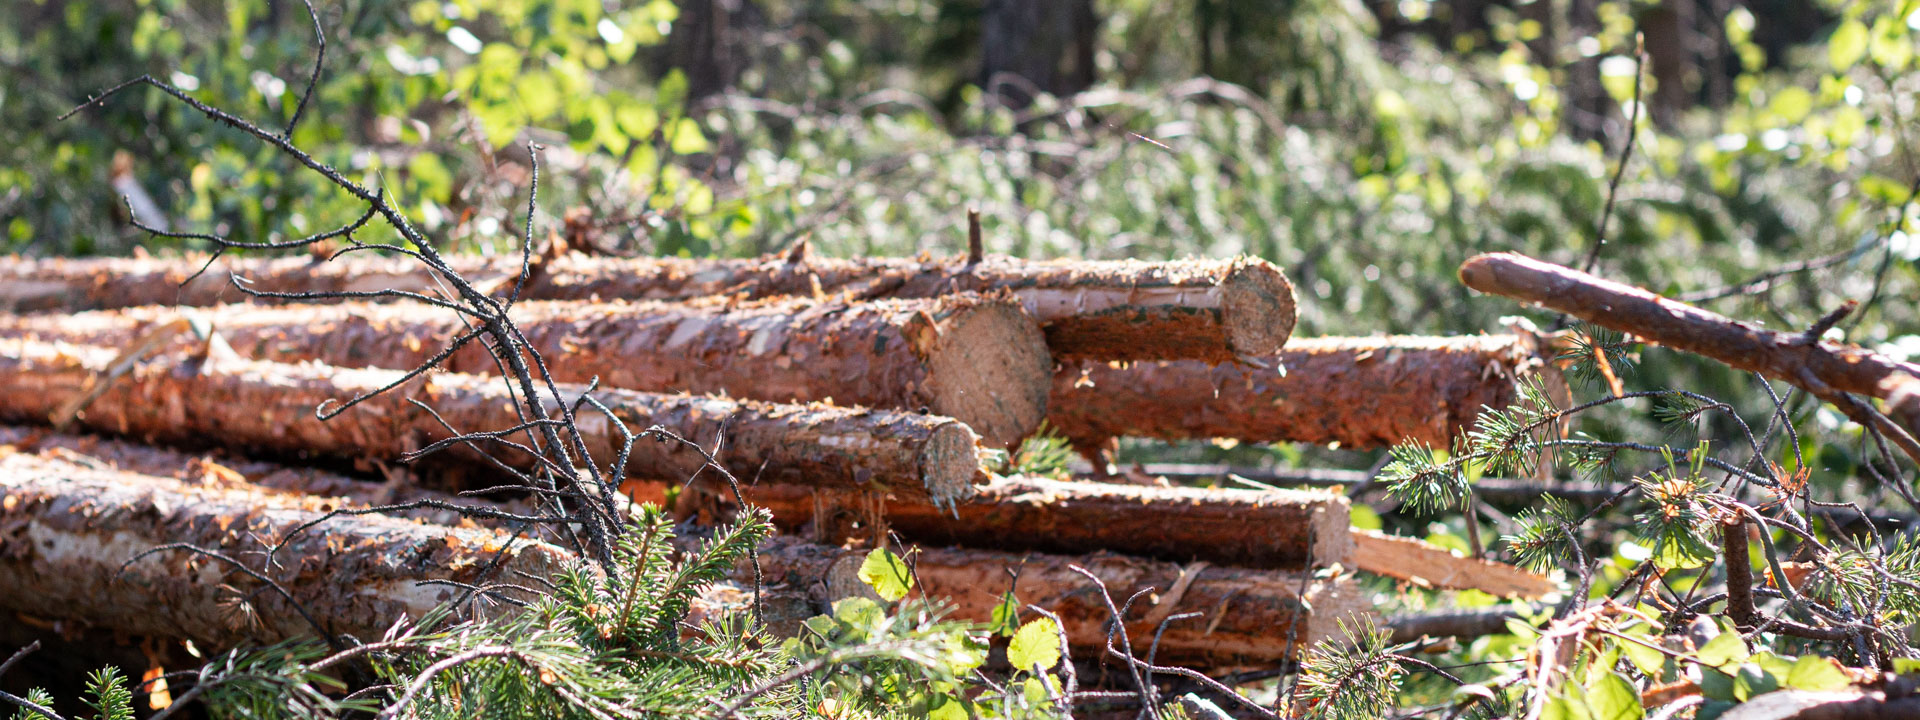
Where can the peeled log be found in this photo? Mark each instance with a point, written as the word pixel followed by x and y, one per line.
pixel 260 406
pixel 977 359
pixel 1212 310
pixel 1248 615
pixel 1360 392
pixel 66 530
pixel 1248 528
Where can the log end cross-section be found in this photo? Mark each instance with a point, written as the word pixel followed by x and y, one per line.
pixel 987 365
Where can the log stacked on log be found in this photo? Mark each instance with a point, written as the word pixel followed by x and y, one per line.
pixel 270 407
pixel 1212 310
pixel 974 358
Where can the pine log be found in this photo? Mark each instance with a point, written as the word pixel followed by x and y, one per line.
pixel 1247 528
pixel 66 531
pixel 1360 392
pixel 974 358
pixel 1213 310
pixel 1248 616
pixel 260 406
pixel 1431 566
pixel 1829 370
pixel 222 470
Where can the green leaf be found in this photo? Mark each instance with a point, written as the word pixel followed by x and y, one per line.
pixel 687 138
pixel 1037 644
pixel 1716 685
pixel 1364 518
pixel 1820 674
pixel 1906 666
pixel 949 709
pixel 1723 650
pixel 1612 697
pixel 1791 103
pixel 1752 680
pixel 887 574
pixel 1006 616
pixel 1848 45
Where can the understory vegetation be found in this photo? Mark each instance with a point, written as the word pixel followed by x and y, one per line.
pixel 1742 536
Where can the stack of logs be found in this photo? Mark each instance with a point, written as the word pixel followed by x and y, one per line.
pixel 854 397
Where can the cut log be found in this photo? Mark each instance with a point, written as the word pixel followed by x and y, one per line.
pixel 1829 370
pixel 1213 310
pixel 974 358
pixel 1248 616
pixel 66 531
pixel 208 469
pixel 269 407
pixel 1248 528
pixel 1358 392
pixel 1431 566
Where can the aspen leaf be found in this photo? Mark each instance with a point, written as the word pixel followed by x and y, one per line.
pixel 887 574
pixel 1036 644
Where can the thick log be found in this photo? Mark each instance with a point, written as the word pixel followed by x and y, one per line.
pixel 1280 529
pixel 1827 369
pixel 1431 566
pixel 1358 392
pixel 222 470
pixel 1248 616
pixel 67 530
pixel 1214 310
pixel 269 407
pixel 974 358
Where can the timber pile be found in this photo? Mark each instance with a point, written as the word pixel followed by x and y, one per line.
pixel 856 400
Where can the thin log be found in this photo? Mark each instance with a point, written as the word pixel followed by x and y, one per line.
pixel 1214 310
pixel 974 358
pixel 1276 529
pixel 1827 369
pixel 1248 616
pixel 68 532
pixel 1431 566
pixel 269 407
pixel 222 470
pixel 1463 624
pixel 1357 392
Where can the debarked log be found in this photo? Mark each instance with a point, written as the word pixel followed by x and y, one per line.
pixel 260 406
pixel 1359 392
pixel 978 359
pixel 70 536
pixel 1246 616
pixel 1270 529
pixel 1214 310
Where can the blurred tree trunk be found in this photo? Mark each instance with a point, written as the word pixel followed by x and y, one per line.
pixel 707 44
pixel 1047 43
pixel 1667 29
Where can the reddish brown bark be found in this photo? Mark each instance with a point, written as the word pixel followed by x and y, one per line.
pixel 973 358
pixel 1358 392
pixel 260 406
pixel 1826 369
pixel 1211 310
pixel 66 530
pixel 1248 616
pixel 1247 528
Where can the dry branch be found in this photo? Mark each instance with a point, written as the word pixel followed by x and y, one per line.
pixel 1248 528
pixel 1829 370
pixel 1248 616
pixel 66 530
pixel 1211 310
pixel 1358 392
pixel 973 358
pixel 260 406
pixel 1428 565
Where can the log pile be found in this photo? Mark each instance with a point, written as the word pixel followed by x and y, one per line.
pixel 858 401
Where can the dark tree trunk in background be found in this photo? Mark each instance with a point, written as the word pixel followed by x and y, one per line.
pixel 1590 113
pixel 1668 29
pixel 1047 43
pixel 708 43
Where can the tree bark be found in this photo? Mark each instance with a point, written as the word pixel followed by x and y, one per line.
pixel 68 532
pixel 1358 392
pixel 1215 310
pixel 1828 370
pixel 977 359
pixel 1248 616
pixel 1281 529
pixel 269 407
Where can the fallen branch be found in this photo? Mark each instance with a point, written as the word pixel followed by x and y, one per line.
pixel 1829 370
pixel 1210 310
pixel 1244 613
pixel 1247 528
pixel 1357 392
pixel 270 407
pixel 1431 566
pixel 71 535
pixel 977 359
